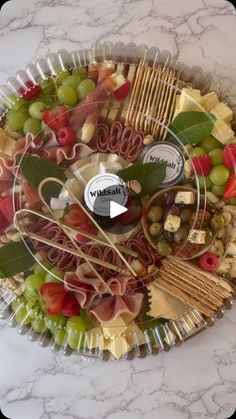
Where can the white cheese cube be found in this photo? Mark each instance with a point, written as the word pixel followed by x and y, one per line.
pixel 209 101
pixel 197 236
pixel 172 223
pixel 221 131
pixel 185 197
pixel 223 112
pixel 189 100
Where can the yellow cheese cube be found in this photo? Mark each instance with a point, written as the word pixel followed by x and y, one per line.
pixel 222 111
pixel 221 131
pixel 119 346
pixel 114 328
pixel 209 101
pixel 189 100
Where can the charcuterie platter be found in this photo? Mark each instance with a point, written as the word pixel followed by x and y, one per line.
pixel 117 201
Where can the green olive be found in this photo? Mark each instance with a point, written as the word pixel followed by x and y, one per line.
pixel 155 213
pixel 155 229
pixel 164 248
pixel 185 215
pixel 181 235
pixel 217 222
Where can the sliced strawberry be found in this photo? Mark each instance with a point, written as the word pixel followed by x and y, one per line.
pixel 54 297
pixel 230 156
pixel 89 228
pixel 6 208
pixel 71 307
pixel 202 165
pixel 56 118
pixel 122 91
pixel 30 92
pixel 75 216
pixel 230 189
pixel 133 215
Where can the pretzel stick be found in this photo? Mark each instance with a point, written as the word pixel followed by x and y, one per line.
pixel 52 179
pixel 122 248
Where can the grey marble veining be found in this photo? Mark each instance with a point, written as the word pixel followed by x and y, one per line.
pixel 198 379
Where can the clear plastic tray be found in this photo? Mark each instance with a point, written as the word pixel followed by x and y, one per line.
pixel 172 332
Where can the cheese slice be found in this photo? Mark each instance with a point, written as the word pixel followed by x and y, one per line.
pixel 7 144
pixel 119 346
pixel 190 100
pixel 114 328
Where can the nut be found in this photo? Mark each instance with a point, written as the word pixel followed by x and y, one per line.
pixel 220 233
pixel 134 186
pixel 212 198
pixel 188 168
pixel 148 139
pixel 227 217
pixel 225 265
pixel 217 247
pixel 233 269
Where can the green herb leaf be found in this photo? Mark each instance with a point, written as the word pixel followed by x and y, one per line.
pixel 14 258
pixel 149 175
pixel 192 127
pixel 35 169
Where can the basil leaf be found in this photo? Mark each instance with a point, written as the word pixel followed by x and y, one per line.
pixel 192 127
pixel 14 258
pixel 149 175
pixel 35 169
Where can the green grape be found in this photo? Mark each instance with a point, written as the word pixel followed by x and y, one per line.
pixel 16 103
pixel 36 109
pixel 54 276
pixel 54 322
pixel 40 270
pixel 219 175
pixel 232 140
pixel 39 325
pixel 217 190
pixel 86 319
pixel 67 95
pixel 32 125
pixel 75 324
pixel 60 337
pixel 30 298
pixel 33 283
pixel 204 182
pixel 72 81
pixel 210 143
pixel 18 302
pixel 81 72
pixel 22 317
pixel 85 87
pixel 231 201
pixel 75 340
pixel 216 156
pixel 209 236
pixel 61 74
pixel 16 120
pixel 197 151
pixel 48 87
pixel 33 310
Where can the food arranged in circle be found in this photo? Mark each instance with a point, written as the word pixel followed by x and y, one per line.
pixel 139 140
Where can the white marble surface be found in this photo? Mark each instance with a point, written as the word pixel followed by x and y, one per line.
pixel 197 380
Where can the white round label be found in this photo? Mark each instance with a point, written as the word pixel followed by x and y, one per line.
pixel 101 190
pixel 170 154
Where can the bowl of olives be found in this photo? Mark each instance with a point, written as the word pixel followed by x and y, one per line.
pixel 178 221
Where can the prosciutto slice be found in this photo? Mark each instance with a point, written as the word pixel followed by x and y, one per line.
pixel 84 293
pixel 109 308
pixel 68 153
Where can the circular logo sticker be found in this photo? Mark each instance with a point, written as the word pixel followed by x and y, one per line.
pixel 103 189
pixel 170 154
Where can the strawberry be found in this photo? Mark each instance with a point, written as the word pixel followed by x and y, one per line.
pixel 89 228
pixel 230 189
pixel 122 91
pixel 202 164
pixel 6 208
pixel 56 118
pixel 230 156
pixel 133 215
pixel 54 297
pixel 31 91
pixel 75 216
pixel 71 307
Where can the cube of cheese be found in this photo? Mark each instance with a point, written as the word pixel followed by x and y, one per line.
pixel 221 131
pixel 189 100
pixel 119 346
pixel 185 197
pixel 222 111
pixel 231 249
pixel 209 101
pixel 197 236
pixel 7 144
pixel 172 223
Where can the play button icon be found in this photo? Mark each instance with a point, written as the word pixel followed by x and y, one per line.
pixel 116 209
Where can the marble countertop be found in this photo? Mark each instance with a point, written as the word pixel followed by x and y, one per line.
pixel 198 379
